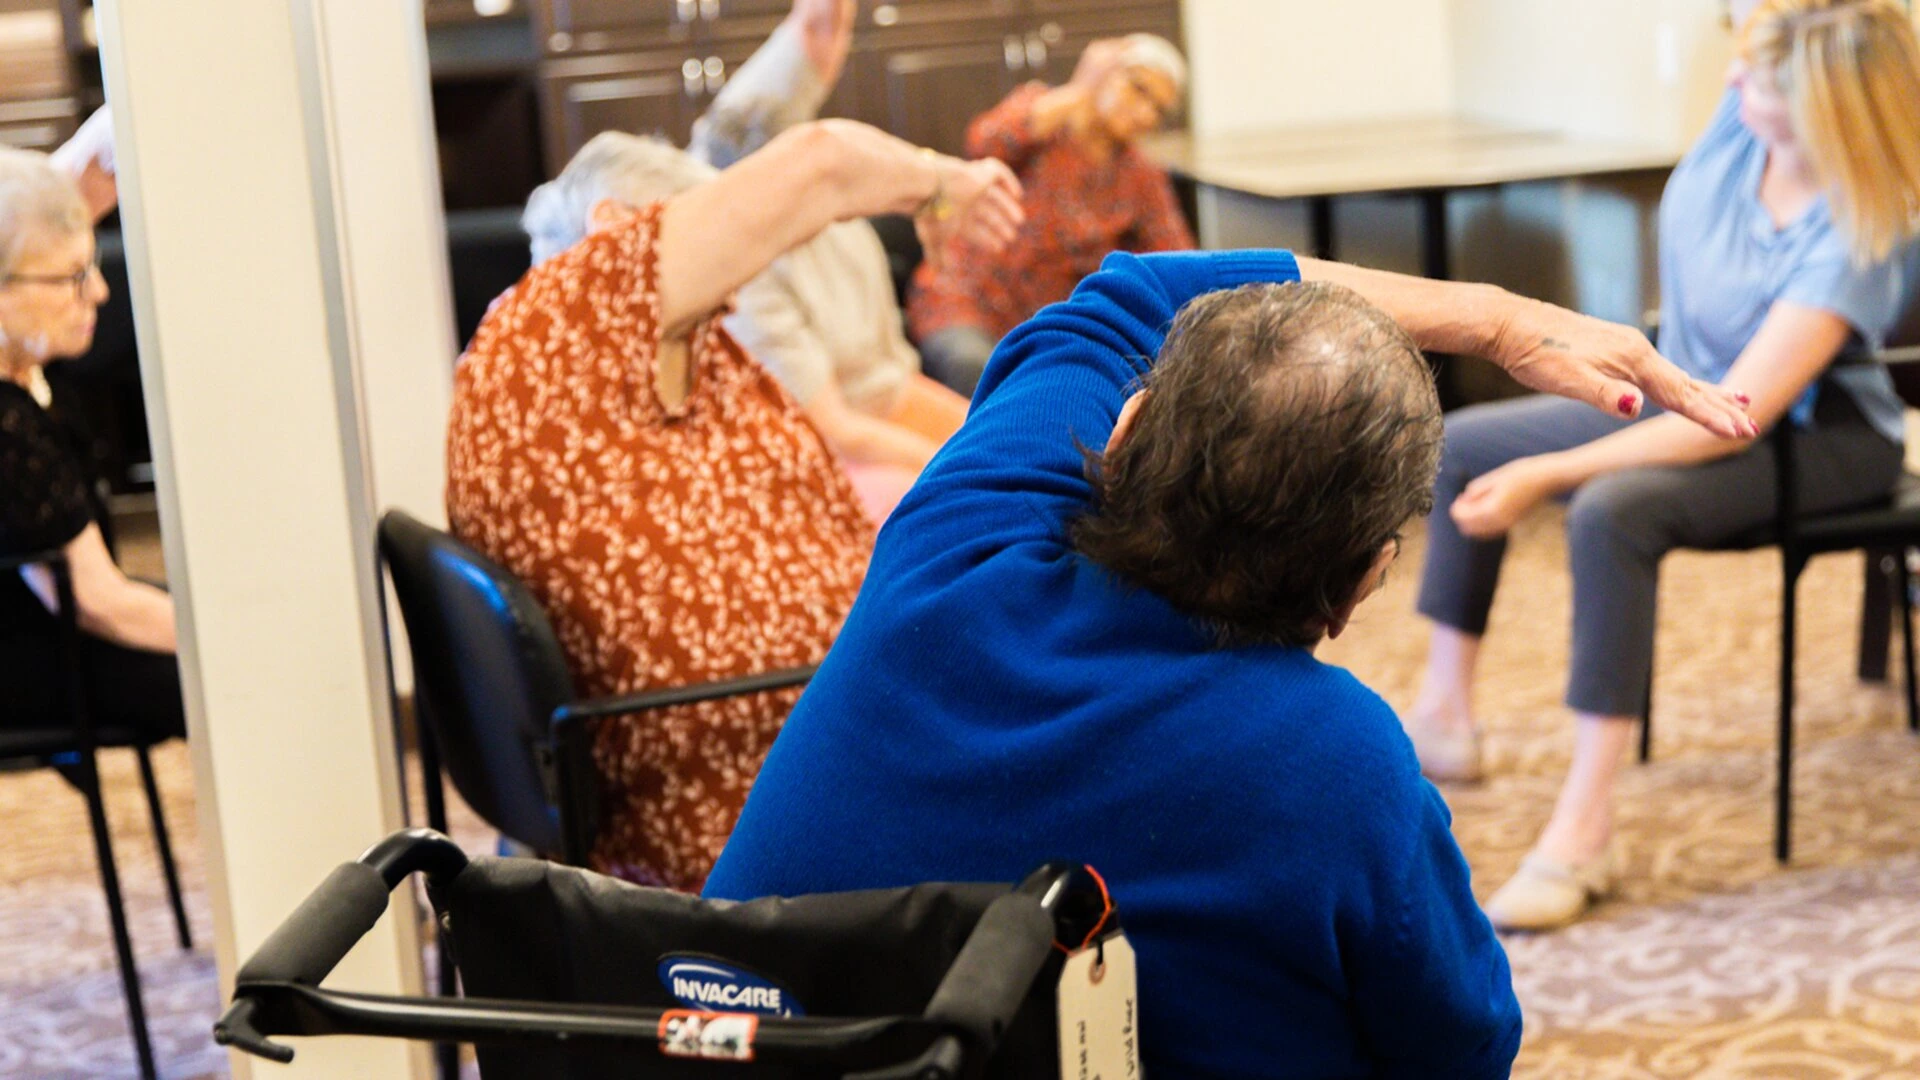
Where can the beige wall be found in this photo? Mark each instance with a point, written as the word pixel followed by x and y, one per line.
pixel 1267 63
pixel 1647 70
pixel 1641 69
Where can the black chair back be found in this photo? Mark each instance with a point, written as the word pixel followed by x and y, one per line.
pixel 488 675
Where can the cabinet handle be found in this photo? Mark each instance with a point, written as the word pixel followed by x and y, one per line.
pixel 1036 52
pixel 561 41
pixel 709 9
pixel 1052 34
pixel 886 15
pixel 1016 53
pixel 692 76
pixel 716 72
pixel 686 10
pixel 486 9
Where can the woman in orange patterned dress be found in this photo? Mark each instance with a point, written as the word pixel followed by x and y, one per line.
pixel 662 496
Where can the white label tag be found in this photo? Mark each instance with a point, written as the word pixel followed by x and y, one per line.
pixel 1099 1013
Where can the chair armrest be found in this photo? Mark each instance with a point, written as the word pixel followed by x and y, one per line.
pixel 48 557
pixel 568 715
pixel 572 726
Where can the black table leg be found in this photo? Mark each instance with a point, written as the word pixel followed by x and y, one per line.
pixel 1436 263
pixel 1320 220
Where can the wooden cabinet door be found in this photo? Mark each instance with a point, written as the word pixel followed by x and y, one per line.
pixel 583 16
pixel 1061 35
pixel 659 97
pixel 660 93
pixel 928 91
pixel 576 27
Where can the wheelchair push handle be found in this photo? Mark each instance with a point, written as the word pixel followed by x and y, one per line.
pixel 329 922
pixel 992 977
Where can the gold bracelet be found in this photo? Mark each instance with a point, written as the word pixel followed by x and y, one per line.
pixel 937 206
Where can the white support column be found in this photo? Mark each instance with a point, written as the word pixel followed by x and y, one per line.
pixel 247 175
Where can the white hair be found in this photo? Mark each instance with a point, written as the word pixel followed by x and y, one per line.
pixel 1155 53
pixel 632 169
pixel 35 198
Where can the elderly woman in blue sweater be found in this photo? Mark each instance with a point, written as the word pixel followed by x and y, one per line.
pixel 1109 657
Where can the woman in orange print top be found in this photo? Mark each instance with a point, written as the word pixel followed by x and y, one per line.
pixel 1089 192
pixel 669 505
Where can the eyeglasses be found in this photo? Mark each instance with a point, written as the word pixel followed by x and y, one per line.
pixel 77 280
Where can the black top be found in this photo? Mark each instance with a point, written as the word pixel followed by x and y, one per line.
pixel 47 493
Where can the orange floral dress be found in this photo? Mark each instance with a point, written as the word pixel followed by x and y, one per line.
pixel 669 547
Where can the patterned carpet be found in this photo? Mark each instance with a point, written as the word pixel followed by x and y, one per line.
pixel 1713 962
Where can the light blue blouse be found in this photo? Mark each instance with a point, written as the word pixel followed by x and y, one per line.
pixel 1723 265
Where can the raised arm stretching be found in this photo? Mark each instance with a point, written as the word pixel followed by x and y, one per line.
pixel 718 235
pixel 1611 367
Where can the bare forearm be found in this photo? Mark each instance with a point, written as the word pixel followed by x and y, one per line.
pixel 1443 316
pixel 716 237
pixel 133 614
pixel 868 440
pixel 1664 440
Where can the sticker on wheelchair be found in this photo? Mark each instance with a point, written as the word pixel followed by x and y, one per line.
pixel 722 1036
pixel 1099 1012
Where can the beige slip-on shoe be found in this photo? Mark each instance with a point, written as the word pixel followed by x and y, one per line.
pixel 1446 755
pixel 1545 894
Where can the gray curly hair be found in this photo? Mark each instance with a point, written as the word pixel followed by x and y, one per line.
pixel 614 165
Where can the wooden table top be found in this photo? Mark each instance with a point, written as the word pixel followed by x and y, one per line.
pixel 1411 154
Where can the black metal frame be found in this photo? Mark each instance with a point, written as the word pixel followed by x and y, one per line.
pixel 277 992
pixel 572 727
pixel 1795 552
pixel 83 743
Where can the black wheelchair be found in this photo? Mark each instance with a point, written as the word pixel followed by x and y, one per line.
pixel 568 973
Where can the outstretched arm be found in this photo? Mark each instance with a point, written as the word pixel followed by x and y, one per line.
pixel 785 83
pixel 718 235
pixel 1611 367
pixel 88 157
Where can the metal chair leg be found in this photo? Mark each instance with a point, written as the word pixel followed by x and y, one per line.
pixel 1783 791
pixel 161 841
pixel 1646 722
pixel 117 915
pixel 1906 639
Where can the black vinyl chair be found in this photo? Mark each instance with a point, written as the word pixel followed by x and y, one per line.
pixel 497 703
pixel 1885 529
pixel 581 976
pixel 80 739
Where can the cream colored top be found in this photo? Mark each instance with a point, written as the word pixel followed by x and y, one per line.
pixel 825 310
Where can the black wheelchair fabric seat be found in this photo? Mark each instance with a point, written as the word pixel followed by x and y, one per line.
pixel 528 930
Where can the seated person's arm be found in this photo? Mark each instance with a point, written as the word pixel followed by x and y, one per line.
pixel 1795 344
pixel 864 439
pixel 1433 992
pixel 1611 367
pixel 718 235
pixel 108 604
pixel 784 84
pixel 770 322
pixel 88 158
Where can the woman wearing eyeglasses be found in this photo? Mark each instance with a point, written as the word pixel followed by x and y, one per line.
pixel 50 289
pixel 1089 192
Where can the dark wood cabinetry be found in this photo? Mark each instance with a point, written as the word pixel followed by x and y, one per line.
pixel 49 78
pixel 921 69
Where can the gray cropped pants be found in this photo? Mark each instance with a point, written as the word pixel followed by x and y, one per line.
pixel 1620 525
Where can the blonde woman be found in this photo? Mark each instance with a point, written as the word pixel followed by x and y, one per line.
pixel 1785 235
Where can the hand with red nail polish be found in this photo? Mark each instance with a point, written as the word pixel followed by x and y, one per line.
pixel 1607 365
